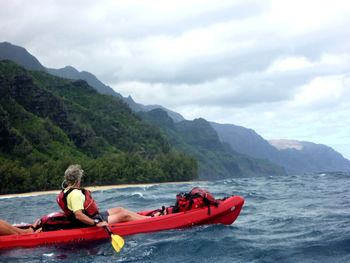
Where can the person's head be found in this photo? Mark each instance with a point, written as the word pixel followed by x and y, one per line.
pixel 73 174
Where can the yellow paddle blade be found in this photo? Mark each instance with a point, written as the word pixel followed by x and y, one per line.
pixel 117 242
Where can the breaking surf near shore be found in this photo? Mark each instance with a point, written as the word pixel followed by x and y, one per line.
pixel 91 188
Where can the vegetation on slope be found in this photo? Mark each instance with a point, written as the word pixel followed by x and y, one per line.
pixel 47 123
pixel 216 160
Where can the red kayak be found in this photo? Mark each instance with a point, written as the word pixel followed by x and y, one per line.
pixel 226 213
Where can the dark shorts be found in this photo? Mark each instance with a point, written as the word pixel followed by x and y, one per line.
pixel 104 216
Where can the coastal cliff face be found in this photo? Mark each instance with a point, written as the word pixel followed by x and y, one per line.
pixel 197 138
pixel 300 156
pixel 222 150
pixel 215 159
pixel 294 156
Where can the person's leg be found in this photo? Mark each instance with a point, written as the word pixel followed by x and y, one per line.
pixel 120 214
pixel 7 229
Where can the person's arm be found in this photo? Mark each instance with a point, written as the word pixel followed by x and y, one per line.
pixel 79 215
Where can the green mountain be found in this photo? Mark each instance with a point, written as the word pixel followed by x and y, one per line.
pixel 234 146
pixel 70 72
pixel 137 107
pixel 47 123
pixel 20 56
pixel 216 160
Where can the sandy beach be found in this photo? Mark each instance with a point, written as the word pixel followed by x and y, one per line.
pixel 91 188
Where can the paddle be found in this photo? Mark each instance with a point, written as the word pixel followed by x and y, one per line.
pixel 117 241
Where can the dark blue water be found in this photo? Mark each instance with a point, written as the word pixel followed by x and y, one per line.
pixel 285 219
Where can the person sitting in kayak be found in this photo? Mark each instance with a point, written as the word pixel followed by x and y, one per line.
pixel 78 203
pixel 8 229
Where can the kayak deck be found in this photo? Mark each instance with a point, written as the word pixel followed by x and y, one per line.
pixel 226 213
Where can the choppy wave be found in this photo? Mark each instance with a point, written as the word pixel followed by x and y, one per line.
pixel 302 218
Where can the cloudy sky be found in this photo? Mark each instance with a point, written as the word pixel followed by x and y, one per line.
pixel 279 67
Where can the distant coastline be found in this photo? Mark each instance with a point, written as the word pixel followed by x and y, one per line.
pixel 91 188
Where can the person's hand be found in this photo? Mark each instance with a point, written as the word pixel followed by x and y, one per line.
pixel 35 228
pixel 102 224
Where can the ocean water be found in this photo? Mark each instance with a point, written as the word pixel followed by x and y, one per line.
pixel 302 218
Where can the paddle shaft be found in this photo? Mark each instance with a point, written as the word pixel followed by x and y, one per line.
pixel 106 227
pixel 108 230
